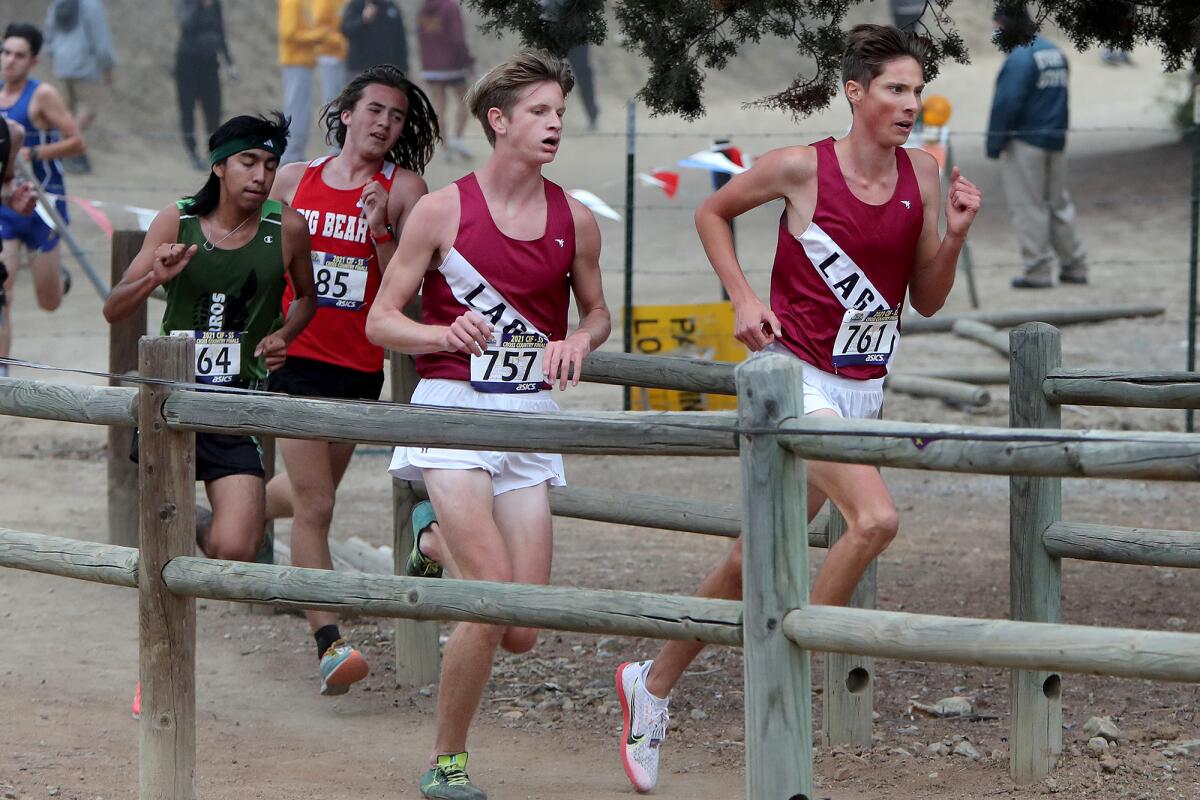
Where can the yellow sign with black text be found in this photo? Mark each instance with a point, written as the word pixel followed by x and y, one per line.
pixel 702 330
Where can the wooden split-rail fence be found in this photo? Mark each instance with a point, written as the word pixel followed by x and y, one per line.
pixel 774 624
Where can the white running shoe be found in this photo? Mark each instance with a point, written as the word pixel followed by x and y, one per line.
pixel 645 726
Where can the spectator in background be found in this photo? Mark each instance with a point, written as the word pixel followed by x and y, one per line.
pixel 331 52
pixel 299 38
pixel 1028 133
pixel 197 69
pixel 375 32
pixel 445 64
pixel 79 42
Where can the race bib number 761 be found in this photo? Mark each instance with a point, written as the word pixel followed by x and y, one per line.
pixel 867 337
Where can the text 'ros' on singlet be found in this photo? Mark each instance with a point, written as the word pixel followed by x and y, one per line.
pixel 838 287
pixel 521 286
pixel 346 271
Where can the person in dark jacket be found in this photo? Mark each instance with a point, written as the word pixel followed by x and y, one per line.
pixel 201 47
pixel 375 32
pixel 1028 133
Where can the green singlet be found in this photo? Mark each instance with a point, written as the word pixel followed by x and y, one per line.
pixel 228 299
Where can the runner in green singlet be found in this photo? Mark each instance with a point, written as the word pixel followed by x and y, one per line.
pixel 221 256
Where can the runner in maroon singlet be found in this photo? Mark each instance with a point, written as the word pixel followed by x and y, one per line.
pixel 499 252
pixel 354 203
pixel 858 231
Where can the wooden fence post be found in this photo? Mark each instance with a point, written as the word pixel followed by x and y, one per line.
pixel 418 659
pixel 123 339
pixel 1035 577
pixel 775 580
pixel 167 642
pixel 849 680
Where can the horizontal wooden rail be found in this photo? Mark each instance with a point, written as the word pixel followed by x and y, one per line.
pixel 1091 387
pixel 963 394
pixel 552 607
pixel 976 375
pixel 1121 652
pixel 69 558
pixel 68 402
pixel 943 323
pixel 983 333
pixel 654 511
pixel 614 433
pixel 660 372
pixel 1143 546
pixel 998 451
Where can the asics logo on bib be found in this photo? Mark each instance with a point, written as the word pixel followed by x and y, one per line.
pixel 336 226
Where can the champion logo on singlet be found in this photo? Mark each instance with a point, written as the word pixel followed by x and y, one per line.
pixel 335 226
pixel 849 284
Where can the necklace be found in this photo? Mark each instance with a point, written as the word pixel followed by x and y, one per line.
pixel 210 246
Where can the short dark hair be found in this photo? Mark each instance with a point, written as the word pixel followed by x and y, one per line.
pixel 272 126
pixel 28 32
pixel 414 149
pixel 869 47
pixel 1015 22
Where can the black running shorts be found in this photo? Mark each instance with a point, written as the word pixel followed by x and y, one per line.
pixel 307 377
pixel 219 455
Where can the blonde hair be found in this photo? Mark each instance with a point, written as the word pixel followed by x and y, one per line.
pixel 502 84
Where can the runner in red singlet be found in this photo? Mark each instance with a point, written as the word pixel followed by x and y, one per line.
pixel 499 251
pixel 859 230
pixel 354 202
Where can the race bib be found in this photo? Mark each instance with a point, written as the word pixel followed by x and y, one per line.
pixel 341 280
pixel 867 337
pixel 218 355
pixel 514 364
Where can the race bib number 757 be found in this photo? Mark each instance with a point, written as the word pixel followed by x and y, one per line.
pixel 867 337
pixel 514 364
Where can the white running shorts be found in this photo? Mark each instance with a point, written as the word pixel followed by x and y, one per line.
pixel 846 397
pixel 509 471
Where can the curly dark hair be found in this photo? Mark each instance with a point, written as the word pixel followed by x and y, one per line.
pixel 414 149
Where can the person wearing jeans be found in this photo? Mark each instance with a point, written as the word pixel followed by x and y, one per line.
pixel 299 37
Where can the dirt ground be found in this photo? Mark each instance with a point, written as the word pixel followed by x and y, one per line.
pixel 549 722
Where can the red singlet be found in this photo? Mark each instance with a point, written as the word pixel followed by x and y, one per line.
pixel 853 257
pixel 345 268
pixel 521 285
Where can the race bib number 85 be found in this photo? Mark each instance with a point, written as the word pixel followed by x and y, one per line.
pixel 512 365
pixel 341 280
pixel 218 355
pixel 867 337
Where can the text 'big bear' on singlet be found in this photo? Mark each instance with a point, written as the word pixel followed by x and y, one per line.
pixel 346 271
pixel 521 286
pixel 838 287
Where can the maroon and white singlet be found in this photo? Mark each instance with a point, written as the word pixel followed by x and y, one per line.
pixel 346 271
pixel 521 286
pixel 838 287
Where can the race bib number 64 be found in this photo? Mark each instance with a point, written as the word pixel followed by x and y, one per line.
pixel 218 355
pixel 514 364
pixel 867 337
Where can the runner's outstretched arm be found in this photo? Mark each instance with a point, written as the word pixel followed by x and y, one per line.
pixel 159 260
pixel 296 247
pixel 937 258
pixel 428 230
pixel 771 177
pixel 564 359
pixel 49 105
